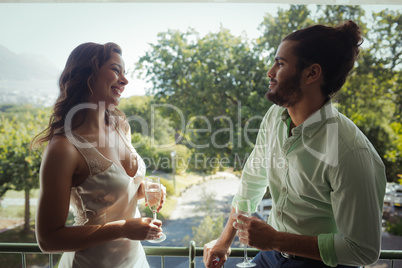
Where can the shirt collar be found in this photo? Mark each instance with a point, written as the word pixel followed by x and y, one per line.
pixel 314 122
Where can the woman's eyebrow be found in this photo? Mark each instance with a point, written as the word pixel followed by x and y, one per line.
pixel 118 65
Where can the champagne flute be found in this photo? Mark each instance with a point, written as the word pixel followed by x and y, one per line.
pixel 243 207
pixel 154 194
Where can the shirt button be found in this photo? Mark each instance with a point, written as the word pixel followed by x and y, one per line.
pixel 284 189
pixel 278 213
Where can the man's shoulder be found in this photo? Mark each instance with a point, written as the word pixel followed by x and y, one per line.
pixel 352 141
pixel 350 134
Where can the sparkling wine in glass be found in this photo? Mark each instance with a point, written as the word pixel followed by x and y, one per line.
pixel 153 194
pixel 243 207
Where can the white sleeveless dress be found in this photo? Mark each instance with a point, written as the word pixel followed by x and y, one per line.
pixel 108 194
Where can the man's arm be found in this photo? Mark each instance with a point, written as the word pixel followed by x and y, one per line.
pixel 220 248
pixel 252 186
pixel 357 200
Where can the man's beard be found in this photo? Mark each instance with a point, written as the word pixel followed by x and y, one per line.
pixel 287 93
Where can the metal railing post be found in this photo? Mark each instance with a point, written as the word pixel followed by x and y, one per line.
pixel 191 253
pixel 24 261
pixel 51 260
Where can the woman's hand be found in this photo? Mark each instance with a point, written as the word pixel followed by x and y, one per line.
pixel 142 229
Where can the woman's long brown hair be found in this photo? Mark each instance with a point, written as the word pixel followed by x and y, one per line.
pixel 81 68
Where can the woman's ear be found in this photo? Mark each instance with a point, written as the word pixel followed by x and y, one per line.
pixel 313 73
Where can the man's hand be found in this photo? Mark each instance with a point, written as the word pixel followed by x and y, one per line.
pixel 254 232
pixel 215 254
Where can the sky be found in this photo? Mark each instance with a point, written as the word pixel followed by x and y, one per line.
pixel 52 30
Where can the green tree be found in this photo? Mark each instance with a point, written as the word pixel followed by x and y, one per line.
pixel 371 96
pixel 19 169
pixel 216 79
pixel 215 84
pixel 145 117
pixel 275 28
pixel 152 134
pixel 335 15
pixel 386 37
pixel 211 225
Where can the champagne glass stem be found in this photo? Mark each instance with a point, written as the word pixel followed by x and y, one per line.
pixel 245 253
pixel 154 214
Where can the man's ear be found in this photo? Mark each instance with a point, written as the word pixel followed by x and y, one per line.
pixel 313 73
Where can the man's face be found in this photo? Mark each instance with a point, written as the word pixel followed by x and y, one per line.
pixel 284 77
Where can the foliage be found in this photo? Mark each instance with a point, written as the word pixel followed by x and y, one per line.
pixel 211 225
pixel 209 204
pixel 386 37
pixel 160 159
pixel 169 187
pixel 370 95
pixel 335 15
pixel 19 168
pixel 274 29
pixel 205 84
pixel 394 228
pixel 145 118
pixel 210 228
pixel 209 96
pixel 216 83
pixel 152 135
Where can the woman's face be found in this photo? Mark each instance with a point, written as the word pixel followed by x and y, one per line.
pixel 110 82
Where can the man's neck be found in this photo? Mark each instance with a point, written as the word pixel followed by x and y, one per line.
pixel 304 109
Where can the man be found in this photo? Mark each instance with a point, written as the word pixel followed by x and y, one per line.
pixel 326 180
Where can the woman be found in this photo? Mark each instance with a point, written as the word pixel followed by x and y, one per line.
pixel 90 165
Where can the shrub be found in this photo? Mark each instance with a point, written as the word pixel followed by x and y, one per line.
pixel 211 226
pixel 169 186
pixel 395 228
pixel 209 229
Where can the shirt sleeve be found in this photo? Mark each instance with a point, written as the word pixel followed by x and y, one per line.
pixel 254 179
pixel 358 188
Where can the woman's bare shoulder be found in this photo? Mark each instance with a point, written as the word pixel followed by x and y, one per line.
pixel 60 146
pixel 60 163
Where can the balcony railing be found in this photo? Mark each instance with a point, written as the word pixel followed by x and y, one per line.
pixel 191 252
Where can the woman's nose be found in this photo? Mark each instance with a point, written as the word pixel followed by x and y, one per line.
pixel 123 80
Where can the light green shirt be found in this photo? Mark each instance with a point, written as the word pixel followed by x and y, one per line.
pixel 325 180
